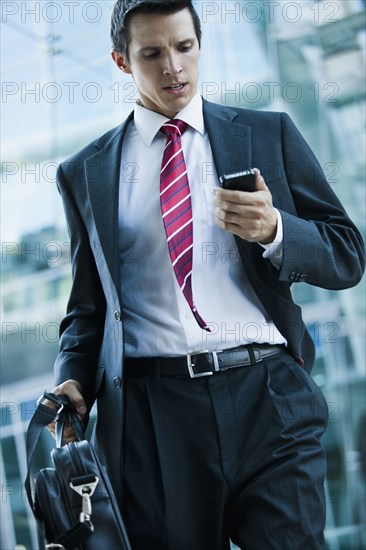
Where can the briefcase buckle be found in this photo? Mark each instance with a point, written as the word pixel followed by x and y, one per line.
pixel 85 490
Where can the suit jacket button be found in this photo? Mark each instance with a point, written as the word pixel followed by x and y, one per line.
pixel 117 382
pixel 117 315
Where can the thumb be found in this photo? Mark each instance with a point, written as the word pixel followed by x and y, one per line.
pixel 76 398
pixel 78 401
pixel 259 181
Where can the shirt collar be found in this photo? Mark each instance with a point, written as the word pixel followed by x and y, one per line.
pixel 148 123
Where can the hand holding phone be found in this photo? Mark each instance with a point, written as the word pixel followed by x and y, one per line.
pixel 239 181
pixel 250 216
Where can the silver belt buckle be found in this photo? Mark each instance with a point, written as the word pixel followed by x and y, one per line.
pixel 190 363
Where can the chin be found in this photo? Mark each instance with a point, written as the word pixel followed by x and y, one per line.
pixel 181 102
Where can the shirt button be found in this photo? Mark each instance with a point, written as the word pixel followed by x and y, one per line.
pixel 117 315
pixel 117 382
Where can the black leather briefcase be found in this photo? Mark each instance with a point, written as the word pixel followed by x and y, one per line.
pixel 74 504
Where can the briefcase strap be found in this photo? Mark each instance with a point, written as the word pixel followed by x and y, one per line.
pixel 42 417
pixel 74 536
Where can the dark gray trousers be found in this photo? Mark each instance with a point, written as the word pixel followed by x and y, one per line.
pixel 232 456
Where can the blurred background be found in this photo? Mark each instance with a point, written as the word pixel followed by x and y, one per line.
pixel 60 90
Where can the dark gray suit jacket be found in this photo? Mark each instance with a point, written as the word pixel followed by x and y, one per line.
pixel 321 246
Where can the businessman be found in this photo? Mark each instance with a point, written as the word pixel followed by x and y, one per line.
pixel 180 322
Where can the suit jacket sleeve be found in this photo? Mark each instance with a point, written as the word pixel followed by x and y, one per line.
pixel 81 330
pixel 321 244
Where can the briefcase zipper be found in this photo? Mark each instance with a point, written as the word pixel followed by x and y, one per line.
pixel 75 458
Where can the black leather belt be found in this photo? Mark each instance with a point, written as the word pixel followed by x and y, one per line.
pixel 201 363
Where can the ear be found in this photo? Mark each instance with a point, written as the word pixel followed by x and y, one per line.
pixel 121 62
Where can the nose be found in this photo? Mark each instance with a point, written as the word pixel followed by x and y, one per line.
pixel 172 65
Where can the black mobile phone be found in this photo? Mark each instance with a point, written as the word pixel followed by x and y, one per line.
pixel 240 181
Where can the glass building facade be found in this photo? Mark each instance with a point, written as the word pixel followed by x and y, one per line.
pixel 60 90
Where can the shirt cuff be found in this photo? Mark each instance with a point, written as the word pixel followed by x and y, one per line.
pixel 273 251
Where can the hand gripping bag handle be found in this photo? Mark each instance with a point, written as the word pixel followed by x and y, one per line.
pixel 43 416
pixel 65 412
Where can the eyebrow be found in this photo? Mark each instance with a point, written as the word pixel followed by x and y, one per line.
pixel 180 43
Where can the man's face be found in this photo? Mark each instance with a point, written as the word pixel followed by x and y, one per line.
pixel 163 60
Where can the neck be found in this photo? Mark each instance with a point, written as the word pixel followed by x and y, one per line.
pixel 168 115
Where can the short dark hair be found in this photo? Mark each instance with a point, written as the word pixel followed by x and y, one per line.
pixel 123 9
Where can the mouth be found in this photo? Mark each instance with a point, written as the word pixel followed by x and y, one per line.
pixel 176 88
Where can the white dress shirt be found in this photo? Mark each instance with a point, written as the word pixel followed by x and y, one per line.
pixel 157 318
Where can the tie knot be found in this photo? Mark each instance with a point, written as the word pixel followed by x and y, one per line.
pixel 174 126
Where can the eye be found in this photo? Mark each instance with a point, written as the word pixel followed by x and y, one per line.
pixel 185 48
pixel 151 55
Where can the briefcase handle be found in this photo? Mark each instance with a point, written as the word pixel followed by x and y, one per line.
pixel 44 415
pixel 66 413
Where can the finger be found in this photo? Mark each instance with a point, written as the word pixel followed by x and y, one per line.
pixel 233 228
pixel 244 211
pixel 251 208
pixel 228 226
pixel 72 389
pixel 68 432
pixel 225 196
pixel 68 435
pixel 229 216
pixel 251 223
pixel 251 232
pixel 260 184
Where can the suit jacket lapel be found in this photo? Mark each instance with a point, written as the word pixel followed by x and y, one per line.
pixel 102 177
pixel 230 141
pixel 231 147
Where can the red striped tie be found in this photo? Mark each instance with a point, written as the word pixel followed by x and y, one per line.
pixel 175 201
